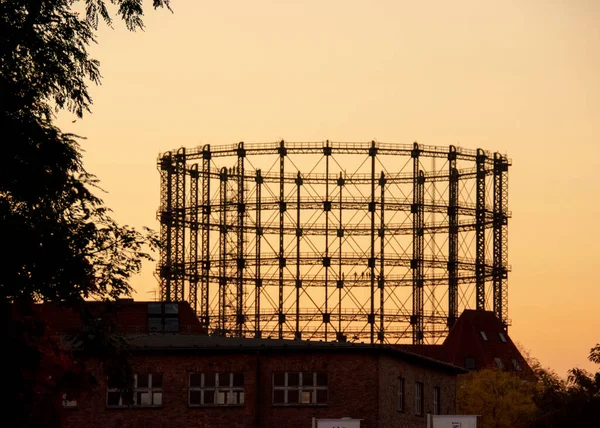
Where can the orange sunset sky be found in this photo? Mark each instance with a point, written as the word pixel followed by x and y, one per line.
pixel 520 77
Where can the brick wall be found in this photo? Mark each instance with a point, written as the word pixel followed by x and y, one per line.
pixel 360 385
pixel 390 369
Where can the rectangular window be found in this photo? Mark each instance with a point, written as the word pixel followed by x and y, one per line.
pixel 216 389
pixel 419 398
pixel 483 335
pixel 400 404
pixel 147 392
pixel 300 388
pixel 516 365
pixel 502 337
pixel 68 403
pixel 436 400
pixel 163 317
pixel 499 363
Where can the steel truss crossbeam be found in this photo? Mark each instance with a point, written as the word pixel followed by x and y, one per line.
pixel 261 247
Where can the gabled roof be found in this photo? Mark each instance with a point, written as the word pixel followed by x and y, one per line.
pixel 479 338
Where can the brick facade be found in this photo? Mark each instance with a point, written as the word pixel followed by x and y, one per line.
pixel 362 383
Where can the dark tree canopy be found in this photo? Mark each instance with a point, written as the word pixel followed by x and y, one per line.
pixel 64 245
pixel 60 243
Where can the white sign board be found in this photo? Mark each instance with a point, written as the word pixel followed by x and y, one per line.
pixel 338 423
pixel 452 421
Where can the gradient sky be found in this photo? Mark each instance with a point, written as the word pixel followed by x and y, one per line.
pixel 520 77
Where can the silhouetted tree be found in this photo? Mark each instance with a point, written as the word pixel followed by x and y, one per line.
pixel 60 243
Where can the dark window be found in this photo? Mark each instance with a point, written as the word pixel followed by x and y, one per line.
pixel 68 402
pixel 163 317
pixel 419 398
pixel 516 365
pixel 436 400
pixel 147 392
pixel 300 388
pixel 499 363
pixel 400 398
pixel 470 363
pixel 224 389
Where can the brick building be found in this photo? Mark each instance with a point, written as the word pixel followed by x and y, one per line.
pixel 186 378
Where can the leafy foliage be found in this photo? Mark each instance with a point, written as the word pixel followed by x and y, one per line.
pixel 501 398
pixel 63 245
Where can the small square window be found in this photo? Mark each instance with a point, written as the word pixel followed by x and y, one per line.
pixel 195 398
pixel 483 335
pixel 279 379
pixel 308 379
pixel 499 363
pixel 293 396
pixel 278 396
pixel 209 397
pixel 113 398
pixel 68 403
pixel 171 325
pixel 293 379
pixel 516 365
pixel 306 397
pixel 321 396
pixel 144 398
pixel 209 379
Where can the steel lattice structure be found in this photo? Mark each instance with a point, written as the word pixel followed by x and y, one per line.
pixel 374 242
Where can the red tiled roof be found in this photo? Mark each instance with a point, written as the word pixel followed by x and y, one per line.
pixel 465 341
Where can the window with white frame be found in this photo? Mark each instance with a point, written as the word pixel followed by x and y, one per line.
pixel 216 389
pixel 147 392
pixel 68 402
pixel 400 404
pixel 419 398
pixel 436 400
pixel 300 388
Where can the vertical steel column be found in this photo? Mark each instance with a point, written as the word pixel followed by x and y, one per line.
pixel 381 276
pixel 326 258
pixel 500 268
pixel 418 247
pixel 223 250
pixel 297 333
pixel 180 224
pixel 166 225
pixel 371 265
pixel 282 209
pixel 193 247
pixel 452 238
pixel 340 285
pixel 259 232
pixel 240 318
pixel 480 231
pixel 206 211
